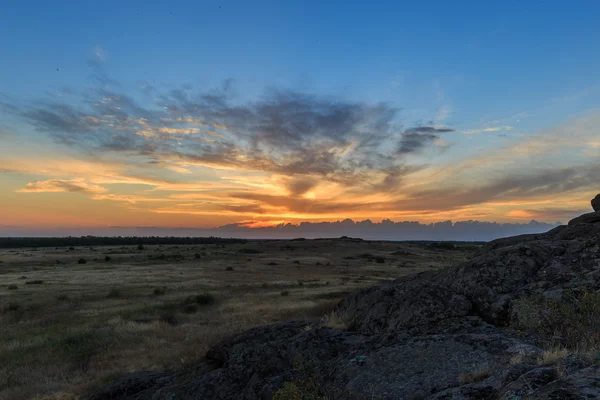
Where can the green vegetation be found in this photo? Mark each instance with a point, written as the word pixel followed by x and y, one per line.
pixel 572 320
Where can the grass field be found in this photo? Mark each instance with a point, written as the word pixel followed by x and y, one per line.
pixel 72 319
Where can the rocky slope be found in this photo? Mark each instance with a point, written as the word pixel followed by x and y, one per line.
pixel 435 335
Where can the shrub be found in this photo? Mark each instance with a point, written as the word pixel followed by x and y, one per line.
pixel 197 256
pixel 71 248
pixel 229 269
pixel 82 261
pixel 272 263
pixel 140 247
pixel 12 287
pixel 107 258
pixel 159 291
pixel 190 308
pixel 200 299
pixel 62 297
pixel 285 292
pixel 335 319
pixel 572 321
pixel 379 259
pixel 35 282
pixel 169 317
pixel 114 292
pixel 13 306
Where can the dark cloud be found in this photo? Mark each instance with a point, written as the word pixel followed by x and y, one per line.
pixel 541 183
pixel 285 132
pixel 415 142
pixel 428 129
pixel 416 139
pixel 300 186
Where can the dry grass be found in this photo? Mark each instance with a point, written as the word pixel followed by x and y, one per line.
pixel 552 355
pixel 517 358
pixel 480 373
pixel 334 319
pixel 81 325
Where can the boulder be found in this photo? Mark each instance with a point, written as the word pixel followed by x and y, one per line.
pixel 596 203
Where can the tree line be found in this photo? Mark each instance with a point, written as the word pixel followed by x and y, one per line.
pixel 70 241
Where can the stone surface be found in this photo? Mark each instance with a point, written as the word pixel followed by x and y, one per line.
pixel 435 335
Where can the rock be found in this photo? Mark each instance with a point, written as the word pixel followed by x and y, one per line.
pixel 582 384
pixel 435 335
pixel 589 218
pixel 596 203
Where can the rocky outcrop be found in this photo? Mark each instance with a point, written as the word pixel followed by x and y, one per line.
pixel 435 335
pixel 589 218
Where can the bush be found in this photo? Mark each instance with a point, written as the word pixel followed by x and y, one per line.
pixel 12 287
pixel 114 292
pixel 200 299
pixel 190 308
pixel 272 263
pixel 379 259
pixel 159 291
pixel 169 317
pixel 197 256
pixel 229 269
pixel 82 261
pixel 107 258
pixel 285 292
pixel 572 321
pixel 35 282
pixel 62 297
pixel 71 248
pixel 12 306
pixel 140 247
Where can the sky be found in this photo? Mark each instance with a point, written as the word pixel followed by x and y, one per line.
pixel 254 114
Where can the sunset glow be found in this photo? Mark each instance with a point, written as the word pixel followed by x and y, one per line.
pixel 106 140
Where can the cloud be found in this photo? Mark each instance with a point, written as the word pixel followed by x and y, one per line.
pixel 416 139
pixel 300 186
pixel 490 129
pixel 283 132
pixel 58 185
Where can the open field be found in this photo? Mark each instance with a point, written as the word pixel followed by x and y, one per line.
pixel 71 319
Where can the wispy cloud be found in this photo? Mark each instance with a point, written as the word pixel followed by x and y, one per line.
pixel 489 129
pixel 57 185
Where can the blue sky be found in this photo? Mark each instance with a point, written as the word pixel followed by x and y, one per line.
pixel 496 74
